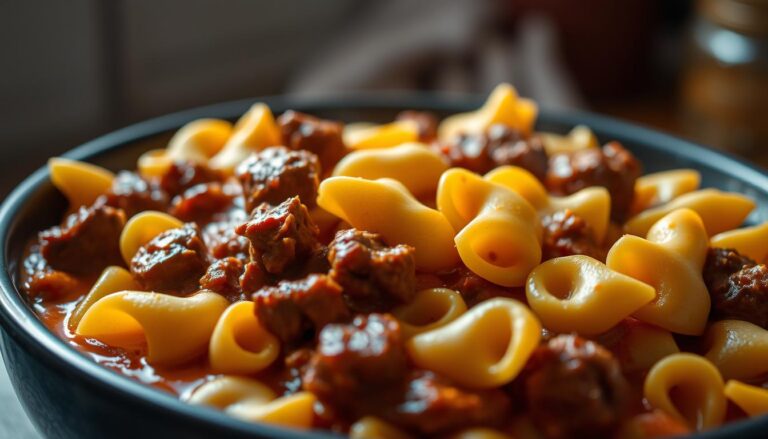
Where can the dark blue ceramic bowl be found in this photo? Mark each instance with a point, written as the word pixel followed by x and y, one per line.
pixel 69 396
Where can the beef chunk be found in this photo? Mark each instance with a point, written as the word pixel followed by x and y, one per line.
pixel 574 388
pixel 294 309
pixel 425 120
pixel 611 166
pixel 223 277
pixel 720 264
pixel 199 203
pixel 745 298
pixel 499 145
pixel 253 278
pixel 276 174
pixel 39 279
pixel 318 136
pixel 182 175
pixel 358 366
pixel 473 288
pixel 172 262
pixel 280 236
pixel 87 241
pixel 222 240
pixel 567 234
pixel 373 276
pixel 133 194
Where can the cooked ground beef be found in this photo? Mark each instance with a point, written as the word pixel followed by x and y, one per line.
pixel 182 175
pixel 223 277
pixel 201 202
pixel 318 136
pixel 567 234
pixel 134 194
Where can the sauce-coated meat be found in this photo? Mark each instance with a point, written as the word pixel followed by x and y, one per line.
pixel 223 277
pixel 737 285
pixel 182 175
pixel 720 264
pixel 134 194
pixel 426 121
pixel 565 234
pixel 201 202
pixel 321 137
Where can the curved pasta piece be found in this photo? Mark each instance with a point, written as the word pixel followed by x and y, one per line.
pixel 580 137
pixel 414 165
pixel 499 236
pixel 385 206
pixel 380 136
pixel 593 204
pixel 254 131
pixel 671 261
pixel 141 228
pixel 719 210
pixel 176 329
pixel 579 293
pixel 749 241
pixel 697 386
pixel 752 399
pixel 429 309
pixel 503 106
pixel 239 344
pixel 81 183
pixel 663 187
pixel 481 433
pixel 252 401
pixel 644 345
pixel 485 347
pixel 371 427
pixel 738 348
pixel 111 280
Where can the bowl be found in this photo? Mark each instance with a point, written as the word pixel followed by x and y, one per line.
pixel 67 395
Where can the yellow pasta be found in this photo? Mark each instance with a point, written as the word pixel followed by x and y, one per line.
pixel 254 131
pixel 663 187
pixel 176 329
pixel 593 204
pixel 499 234
pixel 414 165
pixel 485 347
pixel 738 348
pixel 429 309
pixel 370 427
pixel 252 401
pixel 385 206
pixel 719 210
pixel 580 137
pixel 670 260
pixel 481 433
pixel 580 294
pixel 503 106
pixel 81 183
pixel 749 241
pixel 111 280
pixel 239 344
pixel 689 388
pixel 380 136
pixel 643 345
pixel 752 399
pixel 141 228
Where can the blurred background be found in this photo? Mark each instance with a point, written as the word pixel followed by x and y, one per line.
pixel 77 69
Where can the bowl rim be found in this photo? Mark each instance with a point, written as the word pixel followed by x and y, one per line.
pixel 27 330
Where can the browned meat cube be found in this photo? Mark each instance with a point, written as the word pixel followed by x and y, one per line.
pixel 276 174
pixel 87 241
pixel 720 264
pixel 134 194
pixel 172 262
pixel 223 277
pixel 222 240
pixel 746 297
pixel 373 276
pixel 318 136
pixel 280 236
pixel 473 288
pixel 199 203
pixel 182 175
pixel 252 278
pixel 567 234
pixel 39 279
pixel 425 120
pixel 293 310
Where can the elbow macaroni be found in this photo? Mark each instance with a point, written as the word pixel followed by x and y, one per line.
pixel 357 136
pixel 663 187
pixel 738 348
pixel 254 131
pixel 239 344
pixel 487 346
pixel 580 137
pixel 81 183
pixel 644 345
pixel 141 228
pixel 749 241
pixel 370 427
pixel 579 293
pixel 111 280
pixel 752 399
pixel 429 309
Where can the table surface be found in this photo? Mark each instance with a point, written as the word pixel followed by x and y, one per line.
pixel 13 421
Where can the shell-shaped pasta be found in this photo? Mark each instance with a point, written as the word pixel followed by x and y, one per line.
pixel 414 165
pixel 503 106
pixel 749 241
pixel 738 348
pixel 176 329
pixel 752 399
pixel 199 140
pixel 385 206
pixel 671 262
pixel 663 187
pixel 254 131
pixel 485 347
pixel 141 228
pixel 380 136
pixel 719 210
pixel 154 163
pixel 252 401
pixel 697 387
pixel 592 204
pixel 580 137
pixel 429 309
pixel 371 427
pixel 499 236
pixel 239 344
pixel 579 293
pixel 643 345
pixel 481 433
pixel 111 280
pixel 80 182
